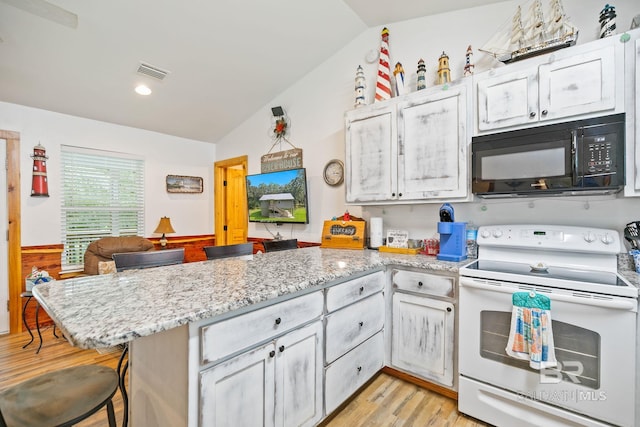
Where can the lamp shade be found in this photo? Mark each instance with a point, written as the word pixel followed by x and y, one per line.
pixel 164 226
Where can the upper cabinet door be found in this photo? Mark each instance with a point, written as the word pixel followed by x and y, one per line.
pixel 371 158
pixel 508 99
pixel 581 84
pixel 432 139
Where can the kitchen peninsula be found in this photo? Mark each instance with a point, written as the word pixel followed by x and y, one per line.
pixel 184 322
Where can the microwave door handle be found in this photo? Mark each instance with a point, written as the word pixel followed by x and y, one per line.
pixel 574 156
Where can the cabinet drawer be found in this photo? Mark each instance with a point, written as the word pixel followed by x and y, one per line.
pixel 348 327
pixel 424 283
pixel 229 336
pixel 344 376
pixel 346 293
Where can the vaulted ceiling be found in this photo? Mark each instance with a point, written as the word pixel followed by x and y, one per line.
pixel 224 59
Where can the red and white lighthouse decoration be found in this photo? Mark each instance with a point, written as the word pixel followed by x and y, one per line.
pixel 39 185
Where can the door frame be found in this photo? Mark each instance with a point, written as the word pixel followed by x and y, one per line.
pixel 14 274
pixel 220 194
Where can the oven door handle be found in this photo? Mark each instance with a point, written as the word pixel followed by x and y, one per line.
pixel 627 304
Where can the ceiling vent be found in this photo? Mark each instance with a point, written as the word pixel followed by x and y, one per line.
pixel 151 71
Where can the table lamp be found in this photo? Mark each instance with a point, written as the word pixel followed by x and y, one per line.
pixel 164 227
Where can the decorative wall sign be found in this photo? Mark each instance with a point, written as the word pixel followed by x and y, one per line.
pixel 343 234
pixel 281 160
pixel 39 184
pixel 184 184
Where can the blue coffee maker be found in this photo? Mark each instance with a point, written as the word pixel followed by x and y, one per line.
pixel 453 236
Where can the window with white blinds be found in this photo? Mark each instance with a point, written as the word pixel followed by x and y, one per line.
pixel 102 195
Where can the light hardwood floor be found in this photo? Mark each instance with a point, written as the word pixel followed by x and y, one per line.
pixel 385 402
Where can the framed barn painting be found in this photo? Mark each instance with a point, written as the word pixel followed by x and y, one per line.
pixel 184 184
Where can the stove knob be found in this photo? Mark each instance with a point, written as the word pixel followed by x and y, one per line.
pixel 497 233
pixel 589 237
pixel 485 234
pixel 607 239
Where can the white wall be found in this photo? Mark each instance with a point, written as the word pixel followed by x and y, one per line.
pixel 316 106
pixel 163 155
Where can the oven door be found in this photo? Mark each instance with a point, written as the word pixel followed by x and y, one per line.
pixel 594 339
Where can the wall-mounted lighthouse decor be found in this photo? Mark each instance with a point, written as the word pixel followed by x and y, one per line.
pixel 39 185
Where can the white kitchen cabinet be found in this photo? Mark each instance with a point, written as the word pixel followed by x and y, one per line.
pixel 277 384
pixel 632 108
pixel 423 337
pixel 371 154
pixel 433 137
pixel 423 325
pixel 410 148
pixel 350 372
pixel 571 83
pixel 354 341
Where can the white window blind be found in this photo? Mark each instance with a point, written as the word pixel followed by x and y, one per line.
pixel 102 195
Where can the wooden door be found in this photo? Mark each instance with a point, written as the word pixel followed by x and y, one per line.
pixel 240 392
pixel 423 337
pixel 299 377
pixel 230 195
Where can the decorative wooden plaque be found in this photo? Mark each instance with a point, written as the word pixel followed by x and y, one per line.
pixel 343 234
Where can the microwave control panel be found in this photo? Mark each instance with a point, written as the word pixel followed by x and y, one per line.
pixel 599 154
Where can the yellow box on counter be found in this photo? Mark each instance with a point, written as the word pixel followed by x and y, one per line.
pixel 343 234
pixel 406 251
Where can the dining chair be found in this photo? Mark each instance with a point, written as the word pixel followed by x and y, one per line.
pixel 279 245
pixel 138 260
pixel 60 398
pixel 226 251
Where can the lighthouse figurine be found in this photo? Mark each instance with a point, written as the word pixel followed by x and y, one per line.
pixel 468 66
pixel 360 87
pixel 444 73
pixel 422 69
pixel 39 185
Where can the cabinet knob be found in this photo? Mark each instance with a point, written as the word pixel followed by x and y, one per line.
pixel 361 324
pixel 532 114
pixel 281 348
pixel 545 112
pixel 419 284
pixel 393 194
pixel 359 368
pixel 449 309
pixel 272 353
pixel 278 321
pixel 399 194
pixel 361 289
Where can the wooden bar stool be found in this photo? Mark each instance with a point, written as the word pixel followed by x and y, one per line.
pixel 60 398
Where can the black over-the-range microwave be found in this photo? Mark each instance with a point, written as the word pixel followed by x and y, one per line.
pixel 572 158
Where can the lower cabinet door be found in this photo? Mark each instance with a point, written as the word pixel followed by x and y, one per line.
pixel 423 337
pixel 347 374
pixel 240 392
pixel 299 377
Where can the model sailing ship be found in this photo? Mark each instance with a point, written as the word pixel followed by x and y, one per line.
pixel 532 33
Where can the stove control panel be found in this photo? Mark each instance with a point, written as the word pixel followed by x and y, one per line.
pixel 550 237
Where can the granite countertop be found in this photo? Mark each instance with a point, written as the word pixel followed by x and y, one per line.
pixel 107 310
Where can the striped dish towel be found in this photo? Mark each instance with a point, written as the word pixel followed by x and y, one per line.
pixel 531 336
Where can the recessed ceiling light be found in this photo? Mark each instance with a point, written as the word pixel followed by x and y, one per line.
pixel 143 90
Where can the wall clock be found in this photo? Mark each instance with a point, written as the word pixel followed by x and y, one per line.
pixel 334 172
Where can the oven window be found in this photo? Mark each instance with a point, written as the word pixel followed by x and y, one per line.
pixel 577 349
